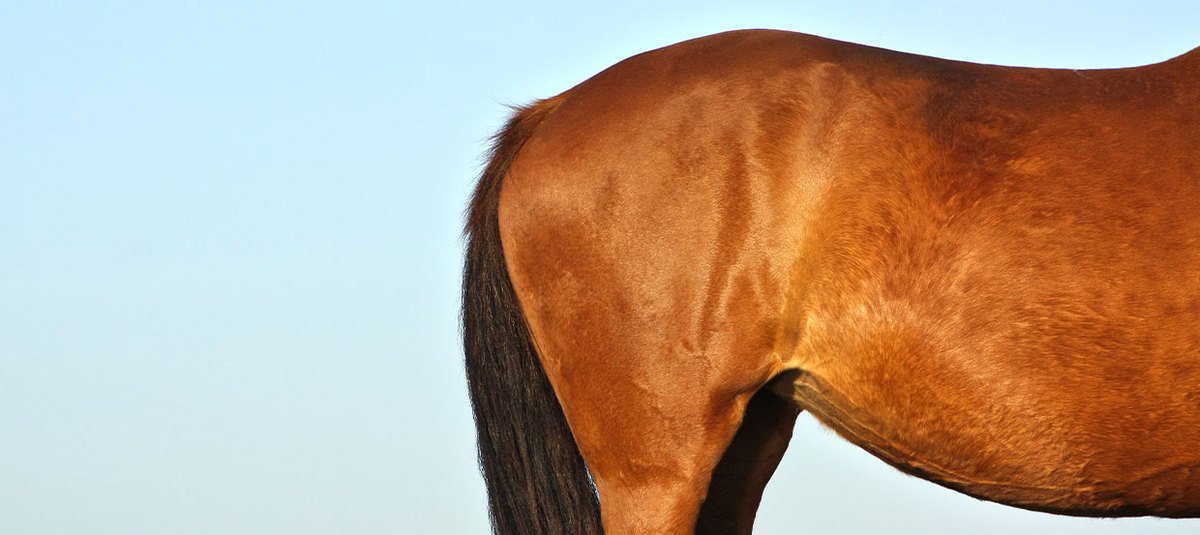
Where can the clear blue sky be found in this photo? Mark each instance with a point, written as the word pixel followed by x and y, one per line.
pixel 229 250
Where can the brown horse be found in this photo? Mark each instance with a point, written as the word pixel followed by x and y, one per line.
pixel 988 277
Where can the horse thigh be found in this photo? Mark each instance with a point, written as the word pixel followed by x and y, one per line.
pixel 653 405
pixel 651 435
pixel 654 336
pixel 653 368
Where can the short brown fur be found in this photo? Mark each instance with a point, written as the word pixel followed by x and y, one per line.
pixel 988 277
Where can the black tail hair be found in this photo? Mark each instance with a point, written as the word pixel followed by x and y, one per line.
pixel 537 482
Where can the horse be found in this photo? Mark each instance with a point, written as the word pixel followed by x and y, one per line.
pixel 988 277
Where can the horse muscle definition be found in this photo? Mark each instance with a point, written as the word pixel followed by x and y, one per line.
pixel 988 277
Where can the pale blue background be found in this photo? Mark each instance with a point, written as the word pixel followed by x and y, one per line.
pixel 229 250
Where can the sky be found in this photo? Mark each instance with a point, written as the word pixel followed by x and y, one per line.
pixel 230 250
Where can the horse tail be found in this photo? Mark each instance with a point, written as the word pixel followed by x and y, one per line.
pixel 536 479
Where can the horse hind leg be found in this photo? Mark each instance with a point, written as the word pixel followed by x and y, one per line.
pixel 654 430
pixel 673 460
pixel 741 476
pixel 653 458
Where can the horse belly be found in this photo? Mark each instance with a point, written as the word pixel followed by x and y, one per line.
pixel 1012 441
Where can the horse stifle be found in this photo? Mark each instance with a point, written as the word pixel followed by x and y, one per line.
pixel 988 277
